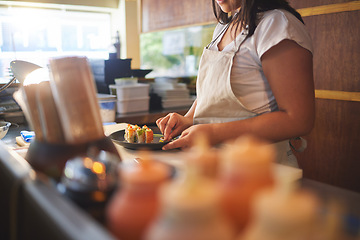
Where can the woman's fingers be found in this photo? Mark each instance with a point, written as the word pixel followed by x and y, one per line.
pixel 161 123
pixel 170 126
pixel 181 142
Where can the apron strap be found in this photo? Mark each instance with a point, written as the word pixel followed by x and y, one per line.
pixel 237 48
pixel 217 37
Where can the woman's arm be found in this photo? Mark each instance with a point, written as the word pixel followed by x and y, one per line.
pixel 190 113
pixel 289 70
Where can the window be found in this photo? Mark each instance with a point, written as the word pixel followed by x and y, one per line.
pixel 174 53
pixel 35 35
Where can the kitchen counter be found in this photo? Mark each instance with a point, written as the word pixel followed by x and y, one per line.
pixel 174 158
pixel 33 207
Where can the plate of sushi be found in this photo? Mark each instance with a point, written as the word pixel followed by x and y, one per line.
pixel 136 137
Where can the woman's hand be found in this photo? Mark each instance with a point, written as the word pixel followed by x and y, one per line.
pixel 173 125
pixel 189 135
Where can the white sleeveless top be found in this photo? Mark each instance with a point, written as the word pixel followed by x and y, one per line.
pixel 248 81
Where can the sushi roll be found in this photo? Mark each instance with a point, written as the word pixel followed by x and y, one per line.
pixel 127 132
pixel 149 135
pixel 140 134
pixel 136 134
pixel 130 135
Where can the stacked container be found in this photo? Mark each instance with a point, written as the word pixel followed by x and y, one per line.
pixel 131 95
pixel 107 104
pixel 172 93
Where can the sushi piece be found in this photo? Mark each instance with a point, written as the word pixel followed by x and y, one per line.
pixel 140 134
pixel 127 132
pixel 130 135
pixel 149 135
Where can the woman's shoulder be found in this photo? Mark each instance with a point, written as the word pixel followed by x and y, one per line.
pixel 278 15
pixel 277 25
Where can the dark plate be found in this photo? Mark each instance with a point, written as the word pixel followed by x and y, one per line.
pixel 118 137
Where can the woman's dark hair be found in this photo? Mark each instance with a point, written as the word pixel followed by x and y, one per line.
pixel 249 12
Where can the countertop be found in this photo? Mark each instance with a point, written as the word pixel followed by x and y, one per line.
pixel 170 157
pixel 59 212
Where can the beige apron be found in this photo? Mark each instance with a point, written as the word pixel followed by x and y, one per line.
pixel 216 102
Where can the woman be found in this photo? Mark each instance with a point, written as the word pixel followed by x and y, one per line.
pixel 255 77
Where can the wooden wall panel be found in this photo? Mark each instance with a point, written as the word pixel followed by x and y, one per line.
pixel 337 50
pixel 164 14
pixel 332 155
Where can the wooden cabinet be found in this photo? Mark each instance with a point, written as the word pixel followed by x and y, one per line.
pixel 164 14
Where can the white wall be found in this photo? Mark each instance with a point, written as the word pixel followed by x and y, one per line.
pixel 125 20
pixel 132 32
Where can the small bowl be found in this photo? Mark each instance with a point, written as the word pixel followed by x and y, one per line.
pixel 4 128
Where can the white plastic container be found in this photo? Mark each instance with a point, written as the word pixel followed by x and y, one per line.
pixel 125 92
pixel 107 104
pixel 133 105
